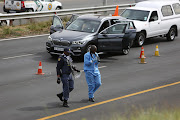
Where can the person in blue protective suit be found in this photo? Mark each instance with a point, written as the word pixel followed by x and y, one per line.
pixel 65 74
pixel 92 74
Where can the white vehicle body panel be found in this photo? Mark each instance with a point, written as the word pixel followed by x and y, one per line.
pixel 163 24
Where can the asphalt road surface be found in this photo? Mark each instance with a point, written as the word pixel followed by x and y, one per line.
pixel 27 96
pixel 67 4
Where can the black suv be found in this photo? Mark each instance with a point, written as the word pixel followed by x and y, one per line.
pixel 108 33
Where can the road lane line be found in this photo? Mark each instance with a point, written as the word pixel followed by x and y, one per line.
pixel 1 40
pixel 107 101
pixel 98 67
pixel 17 56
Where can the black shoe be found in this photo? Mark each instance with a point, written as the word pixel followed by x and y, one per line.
pixel 65 103
pixel 91 99
pixel 60 96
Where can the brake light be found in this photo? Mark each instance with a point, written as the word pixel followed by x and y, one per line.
pixel 22 4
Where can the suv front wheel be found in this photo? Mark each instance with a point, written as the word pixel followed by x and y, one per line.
pixel 140 38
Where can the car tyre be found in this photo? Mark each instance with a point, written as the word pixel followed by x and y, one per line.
pixel 58 8
pixel 3 23
pixel 30 10
pixel 171 34
pixel 125 51
pixel 140 38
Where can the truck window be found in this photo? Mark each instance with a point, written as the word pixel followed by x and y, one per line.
pixel 167 10
pixel 154 16
pixel 176 7
pixel 131 14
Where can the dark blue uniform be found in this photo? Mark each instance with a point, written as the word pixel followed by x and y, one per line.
pixel 64 69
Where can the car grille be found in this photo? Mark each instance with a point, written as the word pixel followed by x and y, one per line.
pixel 61 42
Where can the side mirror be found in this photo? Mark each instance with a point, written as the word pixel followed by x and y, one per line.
pixel 59 27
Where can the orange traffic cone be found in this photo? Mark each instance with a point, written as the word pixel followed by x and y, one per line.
pixel 142 50
pixel 116 11
pixel 142 59
pixel 157 51
pixel 40 69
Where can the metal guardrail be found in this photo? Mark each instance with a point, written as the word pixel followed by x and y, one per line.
pixel 62 12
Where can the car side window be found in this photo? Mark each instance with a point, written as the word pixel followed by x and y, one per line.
pixel 167 10
pixel 56 22
pixel 176 7
pixel 104 25
pixel 116 29
pixel 113 21
pixel 131 25
pixel 154 16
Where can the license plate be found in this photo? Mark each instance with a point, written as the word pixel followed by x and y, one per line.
pixel 76 50
pixel 58 49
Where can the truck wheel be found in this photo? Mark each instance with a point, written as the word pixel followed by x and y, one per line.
pixel 30 10
pixel 140 38
pixel 58 8
pixel 3 23
pixel 171 34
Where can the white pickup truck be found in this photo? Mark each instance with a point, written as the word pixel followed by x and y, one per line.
pixel 154 18
pixel 31 5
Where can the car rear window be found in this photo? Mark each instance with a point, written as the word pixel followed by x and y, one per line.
pixel 167 10
pixel 176 7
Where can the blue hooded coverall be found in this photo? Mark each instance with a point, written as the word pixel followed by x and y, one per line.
pixel 65 71
pixel 92 73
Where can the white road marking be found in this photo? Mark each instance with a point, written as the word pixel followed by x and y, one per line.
pixel 98 67
pixel 23 37
pixel 17 56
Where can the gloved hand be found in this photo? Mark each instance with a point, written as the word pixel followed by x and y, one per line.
pixel 58 80
pixel 78 70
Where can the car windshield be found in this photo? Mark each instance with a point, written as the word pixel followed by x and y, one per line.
pixel 84 25
pixel 135 14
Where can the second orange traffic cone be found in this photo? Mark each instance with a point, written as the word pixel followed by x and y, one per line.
pixel 116 11
pixel 157 51
pixel 142 50
pixel 40 69
pixel 142 59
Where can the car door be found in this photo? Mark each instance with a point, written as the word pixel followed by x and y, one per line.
pixel 154 25
pixel 47 5
pixel 57 24
pixel 111 38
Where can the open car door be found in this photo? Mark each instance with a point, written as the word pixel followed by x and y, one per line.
pixel 111 38
pixel 57 24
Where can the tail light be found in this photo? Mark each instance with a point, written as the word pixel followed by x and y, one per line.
pixel 22 4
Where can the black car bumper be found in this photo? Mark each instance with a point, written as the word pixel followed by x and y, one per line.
pixel 57 50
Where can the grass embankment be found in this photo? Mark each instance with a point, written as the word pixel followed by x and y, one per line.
pixel 27 30
pixel 150 114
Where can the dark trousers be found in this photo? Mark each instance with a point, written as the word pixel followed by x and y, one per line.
pixel 68 85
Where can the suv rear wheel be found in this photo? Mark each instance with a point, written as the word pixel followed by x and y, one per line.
pixel 171 34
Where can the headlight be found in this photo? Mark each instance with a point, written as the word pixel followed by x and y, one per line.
pixel 49 39
pixel 80 42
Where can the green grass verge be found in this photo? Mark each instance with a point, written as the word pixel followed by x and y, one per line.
pixel 33 28
pixel 150 114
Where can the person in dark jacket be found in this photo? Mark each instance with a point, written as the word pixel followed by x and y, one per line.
pixel 65 74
